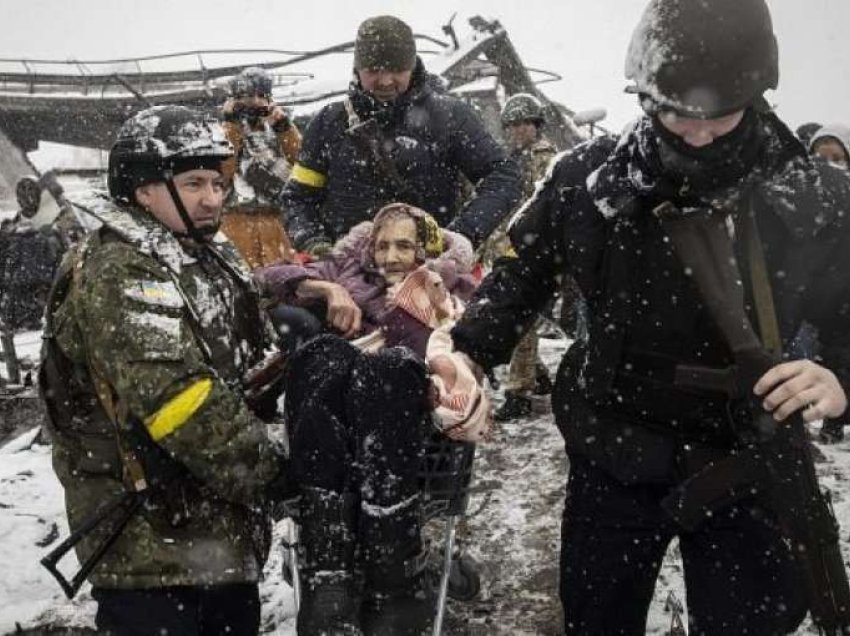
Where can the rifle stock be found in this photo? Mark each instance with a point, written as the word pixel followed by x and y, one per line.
pixel 121 509
pixel 775 460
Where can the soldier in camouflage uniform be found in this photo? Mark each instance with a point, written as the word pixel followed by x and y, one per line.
pixel 152 324
pixel 522 118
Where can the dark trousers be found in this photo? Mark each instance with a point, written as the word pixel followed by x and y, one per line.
pixel 738 573
pixel 232 609
pixel 356 420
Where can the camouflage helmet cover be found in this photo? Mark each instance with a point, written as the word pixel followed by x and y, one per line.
pixel 522 107
pixel 703 59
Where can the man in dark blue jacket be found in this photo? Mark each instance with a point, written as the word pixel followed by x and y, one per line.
pixel 396 137
pixel 707 144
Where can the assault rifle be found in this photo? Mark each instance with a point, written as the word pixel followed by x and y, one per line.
pixel 148 469
pixel 774 460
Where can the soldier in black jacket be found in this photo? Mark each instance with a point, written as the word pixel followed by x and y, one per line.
pixel 396 137
pixel 632 434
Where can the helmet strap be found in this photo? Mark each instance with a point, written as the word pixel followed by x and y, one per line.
pixel 191 231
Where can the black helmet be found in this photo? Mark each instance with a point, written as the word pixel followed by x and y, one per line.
pixel 703 59
pixel 522 107
pixel 159 142
pixel 253 81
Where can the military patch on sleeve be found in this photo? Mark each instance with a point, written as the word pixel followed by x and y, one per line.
pixel 152 292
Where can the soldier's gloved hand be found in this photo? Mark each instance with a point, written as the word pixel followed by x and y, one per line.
pixel 318 248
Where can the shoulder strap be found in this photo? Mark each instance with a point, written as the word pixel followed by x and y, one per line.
pixel 367 138
pixel 760 281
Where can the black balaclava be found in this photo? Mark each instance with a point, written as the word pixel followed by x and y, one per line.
pixel 720 164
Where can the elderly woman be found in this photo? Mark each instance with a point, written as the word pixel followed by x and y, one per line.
pixel 356 286
pixel 356 418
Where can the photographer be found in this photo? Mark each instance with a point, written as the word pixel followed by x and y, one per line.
pixel 266 144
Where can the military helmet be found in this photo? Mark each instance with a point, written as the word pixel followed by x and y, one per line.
pixel 703 59
pixel 159 142
pixel 252 81
pixel 522 107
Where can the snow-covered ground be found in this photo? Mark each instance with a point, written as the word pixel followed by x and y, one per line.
pixel 512 530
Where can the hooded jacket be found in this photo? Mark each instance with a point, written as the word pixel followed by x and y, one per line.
pixel 431 138
pixel 839 132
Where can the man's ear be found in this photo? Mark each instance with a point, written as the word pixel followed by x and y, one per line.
pixel 144 195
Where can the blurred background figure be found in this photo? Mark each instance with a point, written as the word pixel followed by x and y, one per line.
pixel 832 143
pixel 266 144
pixel 28 259
pixel 523 121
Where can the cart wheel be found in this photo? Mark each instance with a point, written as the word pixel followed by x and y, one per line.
pixel 464 578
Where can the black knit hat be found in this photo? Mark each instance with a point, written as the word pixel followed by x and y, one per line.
pixel 384 42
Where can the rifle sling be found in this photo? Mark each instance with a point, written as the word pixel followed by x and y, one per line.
pixel 377 156
pixel 760 282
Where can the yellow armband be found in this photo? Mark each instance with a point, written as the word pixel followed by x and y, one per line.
pixel 178 410
pixel 308 176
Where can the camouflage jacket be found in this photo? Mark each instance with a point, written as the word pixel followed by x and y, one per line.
pixel 533 162
pixel 150 334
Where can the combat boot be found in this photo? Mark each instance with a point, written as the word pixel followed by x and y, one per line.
pixel 329 601
pixel 399 593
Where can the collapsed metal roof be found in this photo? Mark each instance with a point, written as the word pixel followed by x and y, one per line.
pixel 82 103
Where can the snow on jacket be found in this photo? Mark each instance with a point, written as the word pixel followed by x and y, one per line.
pixel 431 138
pixel 592 219
pixel 144 320
pixel 351 265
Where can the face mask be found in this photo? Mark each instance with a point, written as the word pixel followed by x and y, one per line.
pixel 719 164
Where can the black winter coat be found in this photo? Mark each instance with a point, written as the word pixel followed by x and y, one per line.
pixel 592 219
pixel 429 136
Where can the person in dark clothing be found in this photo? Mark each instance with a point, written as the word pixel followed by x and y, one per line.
pixel 632 435
pixel 356 453
pixel 396 137
pixel 29 256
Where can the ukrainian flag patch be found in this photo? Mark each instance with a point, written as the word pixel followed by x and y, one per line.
pixel 153 292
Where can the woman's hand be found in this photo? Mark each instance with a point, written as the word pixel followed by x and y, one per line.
pixel 801 385
pixel 440 367
pixel 343 313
